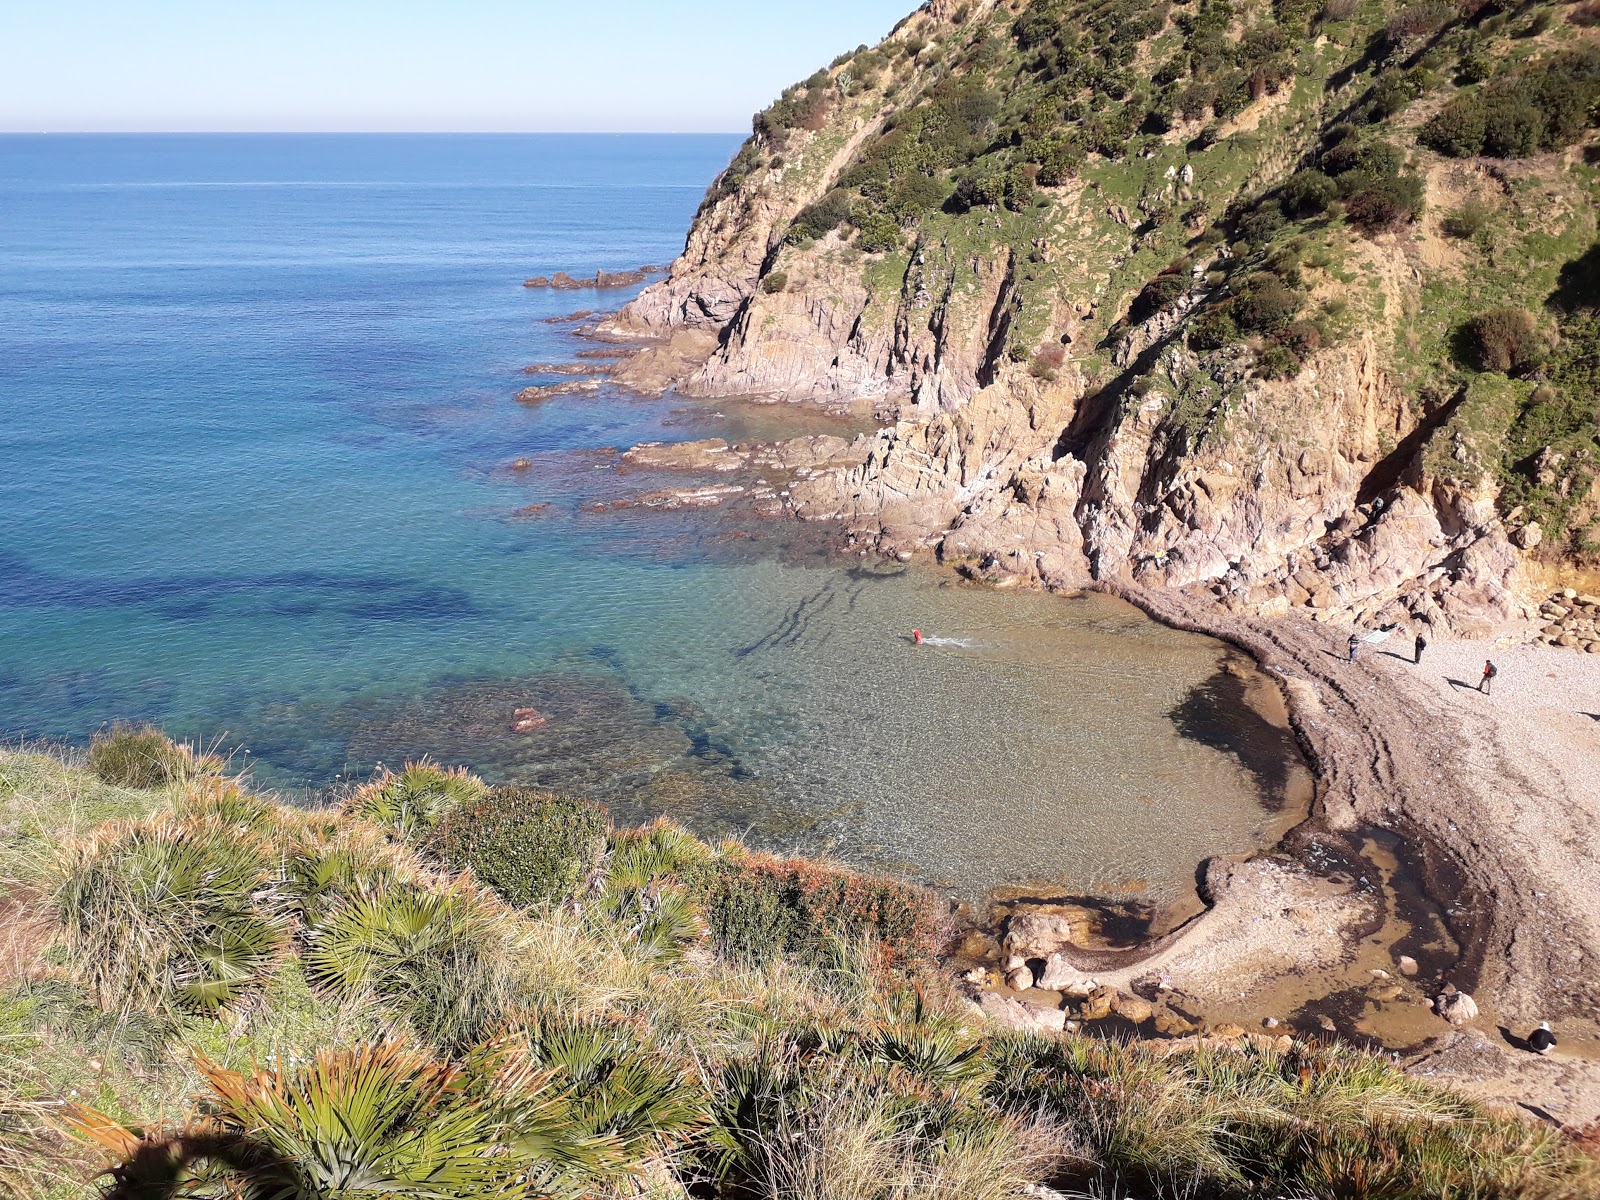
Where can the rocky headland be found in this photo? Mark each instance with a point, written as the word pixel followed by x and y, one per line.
pixel 1218 308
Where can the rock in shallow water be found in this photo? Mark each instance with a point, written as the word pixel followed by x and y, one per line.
pixel 1456 1007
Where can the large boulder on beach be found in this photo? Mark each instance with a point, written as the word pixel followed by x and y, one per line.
pixel 1060 974
pixel 1133 1008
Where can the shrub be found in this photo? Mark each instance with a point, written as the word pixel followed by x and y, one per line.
pixel 1545 106
pixel 775 282
pixel 1513 129
pixel 1419 20
pixel 1277 361
pixel 1047 361
pixel 411 803
pixel 1468 220
pixel 1058 157
pixel 988 187
pixel 1265 304
pixel 1503 339
pixel 1160 293
pixel 1456 129
pixel 531 847
pixel 1213 329
pixel 1475 66
pixel 167 914
pixel 1393 92
pixel 1377 202
pixel 1307 193
pixel 880 232
pixel 138 756
pixel 1302 337
pixel 1259 224
pixel 759 908
pixel 819 219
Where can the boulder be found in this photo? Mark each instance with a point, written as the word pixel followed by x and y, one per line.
pixel 1456 1007
pixel 1098 1004
pixel 526 720
pixel 1040 934
pixel 1170 1024
pixel 1059 975
pixel 1019 979
pixel 1014 1014
pixel 1134 1008
pixel 1408 965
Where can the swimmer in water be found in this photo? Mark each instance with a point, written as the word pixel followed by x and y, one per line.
pixel 916 636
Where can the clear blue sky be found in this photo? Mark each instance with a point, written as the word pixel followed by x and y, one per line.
pixel 691 65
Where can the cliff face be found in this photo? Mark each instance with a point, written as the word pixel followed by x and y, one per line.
pixel 1208 295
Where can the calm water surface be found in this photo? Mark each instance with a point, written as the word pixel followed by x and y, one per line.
pixel 256 408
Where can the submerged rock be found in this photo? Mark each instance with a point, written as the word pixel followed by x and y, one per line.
pixel 526 720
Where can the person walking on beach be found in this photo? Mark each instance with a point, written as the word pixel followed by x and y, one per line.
pixel 1355 644
pixel 1416 651
pixel 1487 682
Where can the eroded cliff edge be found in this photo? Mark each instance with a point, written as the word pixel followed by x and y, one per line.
pixel 1184 295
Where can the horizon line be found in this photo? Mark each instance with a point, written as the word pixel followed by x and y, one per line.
pixel 373 133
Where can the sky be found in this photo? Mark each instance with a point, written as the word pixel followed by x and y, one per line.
pixel 407 65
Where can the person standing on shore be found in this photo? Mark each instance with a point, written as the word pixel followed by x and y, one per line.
pixel 1416 651
pixel 1355 644
pixel 1487 682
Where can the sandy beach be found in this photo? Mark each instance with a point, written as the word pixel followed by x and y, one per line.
pixel 1500 795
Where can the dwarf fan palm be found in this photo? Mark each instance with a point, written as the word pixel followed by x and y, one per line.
pixel 168 912
pixel 411 803
pixel 443 960
pixel 614 1089
pixel 376 1120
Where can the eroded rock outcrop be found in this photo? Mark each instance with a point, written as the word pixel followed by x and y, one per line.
pixel 1067 395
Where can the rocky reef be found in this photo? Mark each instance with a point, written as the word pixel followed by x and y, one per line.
pixel 1200 296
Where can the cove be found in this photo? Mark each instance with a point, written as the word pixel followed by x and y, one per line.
pixel 258 415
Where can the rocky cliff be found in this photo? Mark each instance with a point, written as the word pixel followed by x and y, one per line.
pixel 1288 303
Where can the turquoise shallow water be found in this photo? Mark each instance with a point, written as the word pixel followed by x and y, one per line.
pixel 256 405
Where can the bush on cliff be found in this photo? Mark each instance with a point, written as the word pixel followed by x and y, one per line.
pixel 759 908
pixel 139 756
pixel 1503 339
pixel 819 219
pixel 1542 107
pixel 532 847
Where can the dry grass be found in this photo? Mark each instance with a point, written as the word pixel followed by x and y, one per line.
pixel 820 1077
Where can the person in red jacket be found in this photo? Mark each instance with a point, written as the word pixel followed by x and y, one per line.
pixel 1489 672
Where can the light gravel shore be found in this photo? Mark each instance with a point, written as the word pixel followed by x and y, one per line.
pixel 1503 790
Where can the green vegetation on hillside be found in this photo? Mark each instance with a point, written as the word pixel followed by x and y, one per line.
pixel 214 995
pixel 1257 182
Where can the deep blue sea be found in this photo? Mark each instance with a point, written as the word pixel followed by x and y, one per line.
pixel 256 414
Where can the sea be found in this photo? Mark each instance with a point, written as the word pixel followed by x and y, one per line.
pixel 259 485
